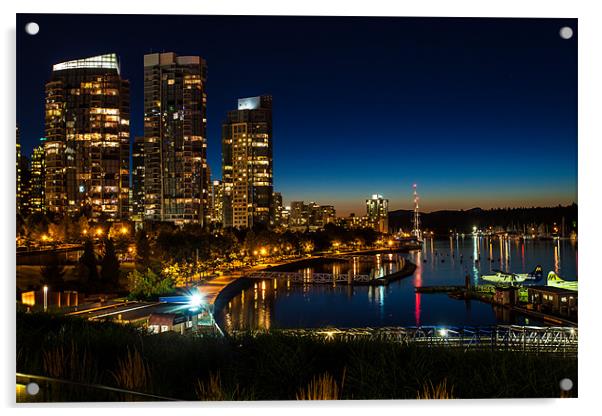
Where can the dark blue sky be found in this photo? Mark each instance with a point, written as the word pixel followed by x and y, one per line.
pixel 478 112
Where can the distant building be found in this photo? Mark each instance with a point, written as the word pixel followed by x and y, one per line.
pixel 23 180
pixel 176 176
pixel 217 202
pixel 247 163
pixel 299 216
pixel 137 201
pixel 38 175
pixel 310 216
pixel 354 221
pixel 18 170
pixel 276 211
pixel 88 138
pixel 377 211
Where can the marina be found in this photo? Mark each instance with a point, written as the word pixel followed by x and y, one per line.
pixel 422 298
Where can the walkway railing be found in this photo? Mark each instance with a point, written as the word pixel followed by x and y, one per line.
pixel 58 390
pixel 317 278
pixel 529 339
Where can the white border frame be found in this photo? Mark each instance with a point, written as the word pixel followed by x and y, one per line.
pixel 590 136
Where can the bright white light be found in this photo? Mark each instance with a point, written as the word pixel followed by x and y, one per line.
pixel 195 300
pixel 443 332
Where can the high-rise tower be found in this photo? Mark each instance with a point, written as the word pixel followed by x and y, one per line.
pixel 137 200
pixel 176 176
pixel 38 174
pixel 247 163
pixel 377 212
pixel 88 138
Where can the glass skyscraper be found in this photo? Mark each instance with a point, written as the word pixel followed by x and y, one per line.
pixel 247 163
pixel 176 175
pixel 88 138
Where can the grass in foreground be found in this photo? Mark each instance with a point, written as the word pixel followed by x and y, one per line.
pixel 272 367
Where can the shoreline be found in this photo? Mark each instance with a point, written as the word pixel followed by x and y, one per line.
pixel 238 285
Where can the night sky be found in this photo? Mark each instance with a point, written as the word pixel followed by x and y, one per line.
pixel 477 112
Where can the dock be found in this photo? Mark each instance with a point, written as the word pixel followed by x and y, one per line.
pixel 483 294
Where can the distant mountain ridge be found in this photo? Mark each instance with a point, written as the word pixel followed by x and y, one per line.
pixel 463 220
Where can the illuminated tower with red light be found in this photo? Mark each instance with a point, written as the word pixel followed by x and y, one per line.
pixel 416 232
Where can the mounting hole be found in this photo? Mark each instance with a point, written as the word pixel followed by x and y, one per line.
pixel 32 28
pixel 566 32
pixel 32 389
pixel 566 384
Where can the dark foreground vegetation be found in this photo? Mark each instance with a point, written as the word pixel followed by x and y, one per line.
pixel 270 367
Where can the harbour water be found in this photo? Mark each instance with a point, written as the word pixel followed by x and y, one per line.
pixel 268 304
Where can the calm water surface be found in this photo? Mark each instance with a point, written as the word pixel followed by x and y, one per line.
pixel 269 304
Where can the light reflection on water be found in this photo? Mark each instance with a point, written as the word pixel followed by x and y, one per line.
pixel 440 262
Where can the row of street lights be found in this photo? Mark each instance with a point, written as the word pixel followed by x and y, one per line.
pixel 99 232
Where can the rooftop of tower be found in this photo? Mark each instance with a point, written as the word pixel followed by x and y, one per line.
pixel 107 61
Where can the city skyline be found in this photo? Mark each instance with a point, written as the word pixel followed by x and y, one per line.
pixel 489 131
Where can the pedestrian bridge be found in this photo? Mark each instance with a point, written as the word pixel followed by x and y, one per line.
pixel 528 339
pixel 315 278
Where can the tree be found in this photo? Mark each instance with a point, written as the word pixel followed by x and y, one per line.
pixel 109 265
pixel 142 249
pixel 148 284
pixel 53 272
pixel 88 263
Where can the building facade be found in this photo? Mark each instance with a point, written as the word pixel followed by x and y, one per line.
pixel 88 138
pixel 176 175
pixel 312 216
pixel 137 200
pixel 217 203
pixel 247 170
pixel 377 211
pixel 38 175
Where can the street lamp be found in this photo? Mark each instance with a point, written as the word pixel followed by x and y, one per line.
pixel 45 298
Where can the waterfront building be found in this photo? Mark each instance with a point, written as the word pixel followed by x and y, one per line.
pixel 137 200
pixel 88 138
pixel 377 211
pixel 38 174
pixel 176 174
pixel 247 163
pixel 555 300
